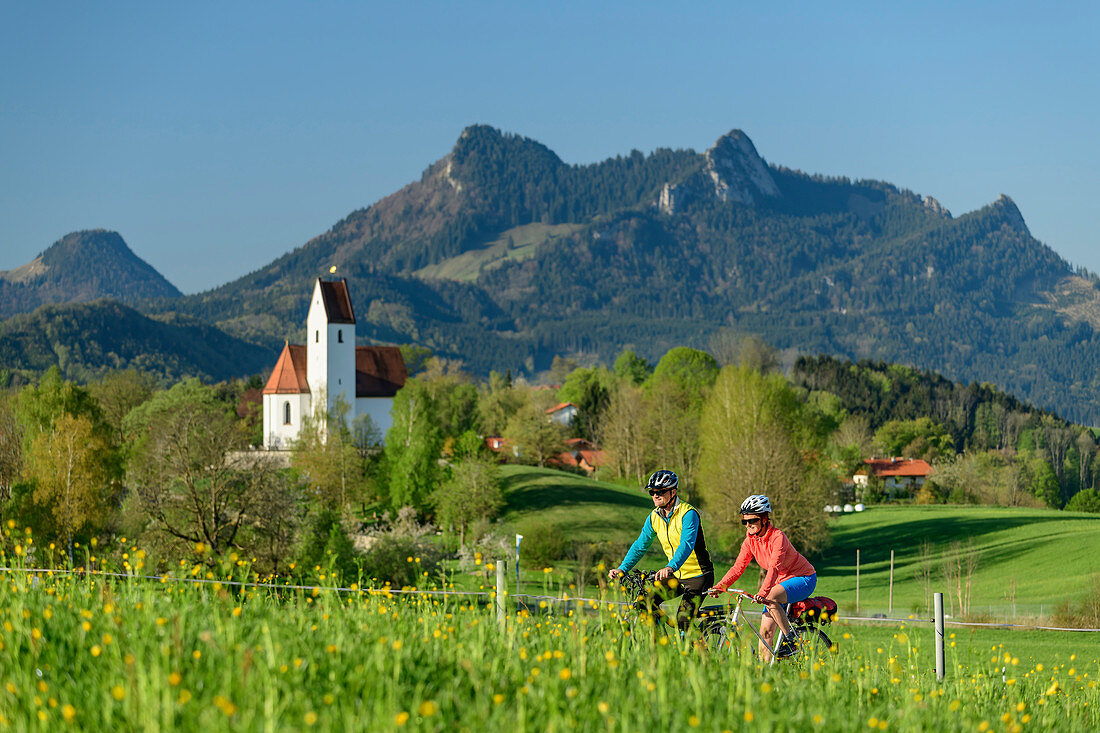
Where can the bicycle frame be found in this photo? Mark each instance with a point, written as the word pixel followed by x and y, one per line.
pixel 738 617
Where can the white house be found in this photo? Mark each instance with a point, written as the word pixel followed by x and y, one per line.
pixel 328 368
pixel 562 413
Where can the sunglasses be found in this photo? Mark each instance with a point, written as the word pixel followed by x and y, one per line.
pixel 751 521
pixel 659 492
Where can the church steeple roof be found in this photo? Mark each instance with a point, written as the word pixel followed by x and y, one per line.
pixel 337 301
pixel 289 375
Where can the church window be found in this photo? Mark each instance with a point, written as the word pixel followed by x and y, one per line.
pixel 316 337
pixel 286 413
pixel 340 335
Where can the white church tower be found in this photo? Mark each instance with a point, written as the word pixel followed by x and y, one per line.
pixel 330 330
pixel 330 369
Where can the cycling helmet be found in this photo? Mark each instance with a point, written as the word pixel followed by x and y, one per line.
pixel 663 480
pixel 756 504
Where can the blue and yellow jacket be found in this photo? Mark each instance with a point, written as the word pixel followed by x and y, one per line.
pixel 681 537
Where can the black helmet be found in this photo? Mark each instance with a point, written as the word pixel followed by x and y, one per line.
pixel 663 480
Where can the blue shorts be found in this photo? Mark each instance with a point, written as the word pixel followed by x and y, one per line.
pixel 799 588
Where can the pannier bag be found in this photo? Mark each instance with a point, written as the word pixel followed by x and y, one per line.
pixel 817 609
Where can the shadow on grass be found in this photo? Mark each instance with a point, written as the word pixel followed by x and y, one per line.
pixel 523 494
pixel 937 530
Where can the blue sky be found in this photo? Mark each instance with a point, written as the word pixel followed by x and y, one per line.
pixel 217 136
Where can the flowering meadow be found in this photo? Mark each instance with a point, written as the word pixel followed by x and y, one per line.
pixel 102 652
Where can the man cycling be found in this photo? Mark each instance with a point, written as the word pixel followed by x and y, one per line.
pixel 689 572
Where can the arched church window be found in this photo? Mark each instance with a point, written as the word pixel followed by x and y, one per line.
pixel 316 337
pixel 286 413
pixel 339 335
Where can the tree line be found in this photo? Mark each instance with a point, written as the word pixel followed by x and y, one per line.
pixel 178 468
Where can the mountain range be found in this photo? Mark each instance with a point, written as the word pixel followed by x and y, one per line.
pixel 504 256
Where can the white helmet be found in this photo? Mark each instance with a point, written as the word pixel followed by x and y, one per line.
pixel 756 504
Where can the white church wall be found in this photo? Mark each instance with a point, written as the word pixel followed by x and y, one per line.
pixel 278 433
pixel 379 410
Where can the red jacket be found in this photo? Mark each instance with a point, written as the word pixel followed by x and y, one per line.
pixel 773 552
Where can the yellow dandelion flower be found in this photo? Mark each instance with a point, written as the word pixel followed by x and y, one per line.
pixel 498 699
pixel 311 717
pixel 428 708
pixel 117 692
pixel 565 673
pixel 401 718
pixel 96 650
pixel 748 716
pixel 693 721
pixel 184 697
pixel 68 712
pixel 174 679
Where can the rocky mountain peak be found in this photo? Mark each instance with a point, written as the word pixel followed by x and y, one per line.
pixel 1011 215
pixel 737 170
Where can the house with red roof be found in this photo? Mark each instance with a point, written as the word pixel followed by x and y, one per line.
pixel 562 413
pixel 897 474
pixel 581 454
pixel 329 368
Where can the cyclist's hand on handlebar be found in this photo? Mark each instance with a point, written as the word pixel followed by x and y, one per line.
pixel 614 573
pixel 715 591
pixel 663 574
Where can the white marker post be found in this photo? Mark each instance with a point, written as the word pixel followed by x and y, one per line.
pixel 500 593
pixel 890 609
pixel 937 602
pixel 857 581
pixel 519 538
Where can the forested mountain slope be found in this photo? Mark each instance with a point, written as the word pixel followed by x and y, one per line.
pixel 86 339
pixel 505 256
pixel 81 267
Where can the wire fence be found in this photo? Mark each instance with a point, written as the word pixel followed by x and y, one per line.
pixel 568 601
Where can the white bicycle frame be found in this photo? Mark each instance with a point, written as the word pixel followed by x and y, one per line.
pixel 737 618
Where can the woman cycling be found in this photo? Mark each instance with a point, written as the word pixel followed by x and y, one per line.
pixel 790 577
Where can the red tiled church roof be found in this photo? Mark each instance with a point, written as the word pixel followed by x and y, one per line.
pixel 337 301
pixel 379 371
pixel 289 375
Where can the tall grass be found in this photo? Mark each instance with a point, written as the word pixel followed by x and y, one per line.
pixel 110 654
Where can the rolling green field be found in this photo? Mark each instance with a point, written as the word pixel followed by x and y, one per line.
pixel 1029 560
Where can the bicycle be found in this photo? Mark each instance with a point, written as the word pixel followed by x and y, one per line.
pixel 637 584
pixel 722 629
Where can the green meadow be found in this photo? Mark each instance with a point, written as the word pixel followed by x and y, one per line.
pixel 1028 561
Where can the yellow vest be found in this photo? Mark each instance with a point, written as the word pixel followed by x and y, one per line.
pixel 669 532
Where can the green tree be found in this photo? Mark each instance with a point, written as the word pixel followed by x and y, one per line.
pixel 117 393
pixel 71 476
pixel 38 406
pixel 328 461
pixel 690 369
pixel 631 368
pixel 920 438
pixel 498 402
pixel 537 438
pixel 189 471
pixel 472 492
pixel 626 438
pixel 590 390
pixel 414 445
pixel 11 447
pixel 1085 501
pixel 751 444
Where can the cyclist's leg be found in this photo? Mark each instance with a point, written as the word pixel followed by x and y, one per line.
pixel 693 591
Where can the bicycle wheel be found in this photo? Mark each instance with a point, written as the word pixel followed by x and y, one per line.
pixel 720 635
pixel 814 646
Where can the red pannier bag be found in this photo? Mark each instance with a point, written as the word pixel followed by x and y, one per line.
pixel 817 609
